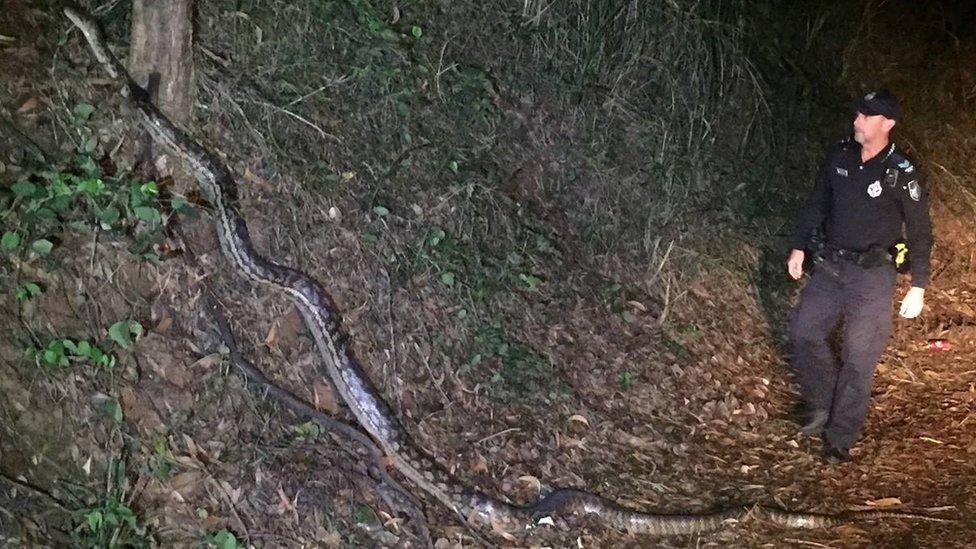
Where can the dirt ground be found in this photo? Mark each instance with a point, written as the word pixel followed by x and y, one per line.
pixel 684 393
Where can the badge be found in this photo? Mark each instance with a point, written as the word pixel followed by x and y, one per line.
pixel 842 171
pixel 874 189
pixel 914 190
pixel 907 166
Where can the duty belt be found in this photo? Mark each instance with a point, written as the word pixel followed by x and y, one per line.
pixel 873 257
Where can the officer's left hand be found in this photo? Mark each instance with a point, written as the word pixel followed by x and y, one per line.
pixel 911 306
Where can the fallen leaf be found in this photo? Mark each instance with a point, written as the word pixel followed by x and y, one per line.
pixel 272 337
pixel 497 528
pixel 531 483
pixel 883 502
pixel 208 361
pixel 28 106
pixel 325 398
pixel 164 324
pixel 578 423
pixel 332 540
pixel 186 484
pixel 479 464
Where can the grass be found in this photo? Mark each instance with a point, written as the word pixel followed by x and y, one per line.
pixel 110 522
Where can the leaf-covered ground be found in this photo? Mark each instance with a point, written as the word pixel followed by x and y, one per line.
pixel 478 284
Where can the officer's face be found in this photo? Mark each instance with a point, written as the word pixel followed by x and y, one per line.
pixel 870 129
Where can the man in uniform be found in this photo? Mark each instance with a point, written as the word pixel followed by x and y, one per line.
pixel 867 196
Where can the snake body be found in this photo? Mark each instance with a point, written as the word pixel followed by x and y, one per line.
pixel 367 406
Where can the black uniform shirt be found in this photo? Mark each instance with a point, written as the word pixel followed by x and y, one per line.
pixel 874 203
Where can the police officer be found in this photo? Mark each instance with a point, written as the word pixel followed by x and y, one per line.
pixel 867 196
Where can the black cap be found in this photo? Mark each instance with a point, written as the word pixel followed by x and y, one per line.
pixel 882 102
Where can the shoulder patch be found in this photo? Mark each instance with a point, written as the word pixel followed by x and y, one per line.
pixel 903 163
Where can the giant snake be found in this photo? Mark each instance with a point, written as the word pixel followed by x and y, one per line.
pixel 478 509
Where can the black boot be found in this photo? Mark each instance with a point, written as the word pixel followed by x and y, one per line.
pixel 833 456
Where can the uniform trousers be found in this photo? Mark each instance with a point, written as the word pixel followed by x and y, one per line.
pixel 841 385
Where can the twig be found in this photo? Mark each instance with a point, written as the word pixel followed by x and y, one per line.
pixel 804 542
pixel 498 434
pixel 305 121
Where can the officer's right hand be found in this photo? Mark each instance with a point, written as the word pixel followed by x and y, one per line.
pixel 795 263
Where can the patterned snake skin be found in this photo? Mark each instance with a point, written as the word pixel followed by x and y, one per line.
pixel 372 412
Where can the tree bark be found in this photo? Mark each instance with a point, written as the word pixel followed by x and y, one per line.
pixel 161 54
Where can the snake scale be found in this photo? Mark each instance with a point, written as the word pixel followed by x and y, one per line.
pixel 368 407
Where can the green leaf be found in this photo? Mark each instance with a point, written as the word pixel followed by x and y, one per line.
pixel 23 188
pixel 381 211
pixel 113 409
pixel 10 240
pixel 135 328
pixel 97 356
pixel 530 281
pixel 59 203
pixel 54 352
pixel 109 216
pixel 58 187
pixel 416 32
pixel 149 188
pixel 370 239
pixel 82 112
pixel 88 146
pixel 33 289
pixel 90 186
pixel 42 246
pixel 453 166
pixel 436 236
pixel 625 379
pixel 119 332
pixel 84 348
pixel 126 514
pixel 447 278
pixel 224 540
pixel 94 520
pixel 181 206
pixel 365 515
pixel 88 166
pixel 148 213
pixel 70 346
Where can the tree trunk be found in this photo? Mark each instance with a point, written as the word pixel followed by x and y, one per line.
pixel 161 54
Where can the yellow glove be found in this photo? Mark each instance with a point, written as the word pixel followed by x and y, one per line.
pixel 911 306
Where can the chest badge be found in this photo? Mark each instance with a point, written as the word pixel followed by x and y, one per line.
pixel 842 171
pixel 874 189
